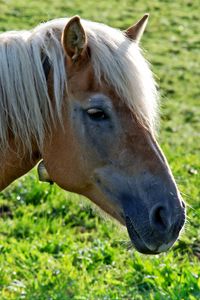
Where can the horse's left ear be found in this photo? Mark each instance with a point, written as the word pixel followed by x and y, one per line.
pixel 74 38
pixel 136 31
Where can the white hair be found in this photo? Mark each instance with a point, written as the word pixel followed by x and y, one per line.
pixel 25 107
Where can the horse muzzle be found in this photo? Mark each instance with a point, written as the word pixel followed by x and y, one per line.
pixel 156 231
pixel 151 208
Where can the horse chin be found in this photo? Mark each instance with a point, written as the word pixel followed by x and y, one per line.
pixel 137 241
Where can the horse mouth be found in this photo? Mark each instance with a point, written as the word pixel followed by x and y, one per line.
pixel 137 240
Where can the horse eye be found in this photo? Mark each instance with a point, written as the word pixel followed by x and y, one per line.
pixel 97 114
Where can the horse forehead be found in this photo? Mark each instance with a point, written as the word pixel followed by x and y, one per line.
pixel 83 81
pixel 81 78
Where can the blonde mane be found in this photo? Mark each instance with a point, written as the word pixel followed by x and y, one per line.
pixel 25 107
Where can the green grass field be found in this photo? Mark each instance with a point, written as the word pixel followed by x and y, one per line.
pixel 53 245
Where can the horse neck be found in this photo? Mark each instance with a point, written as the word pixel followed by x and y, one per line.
pixel 15 162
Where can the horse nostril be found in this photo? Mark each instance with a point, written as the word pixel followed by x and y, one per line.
pixel 159 219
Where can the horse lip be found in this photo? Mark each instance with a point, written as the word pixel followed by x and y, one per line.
pixel 137 241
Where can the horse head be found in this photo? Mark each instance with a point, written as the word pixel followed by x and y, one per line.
pixel 105 147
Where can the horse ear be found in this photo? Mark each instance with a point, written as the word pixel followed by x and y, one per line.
pixel 74 39
pixel 135 32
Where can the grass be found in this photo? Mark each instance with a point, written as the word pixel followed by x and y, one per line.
pixel 52 244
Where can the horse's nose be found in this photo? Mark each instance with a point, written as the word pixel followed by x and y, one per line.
pixel 160 219
pixel 164 221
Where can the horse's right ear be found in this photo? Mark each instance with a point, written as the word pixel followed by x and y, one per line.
pixel 135 32
pixel 74 39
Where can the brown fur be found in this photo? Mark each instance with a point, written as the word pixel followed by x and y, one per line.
pixel 16 161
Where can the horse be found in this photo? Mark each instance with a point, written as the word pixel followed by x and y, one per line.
pixel 80 96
